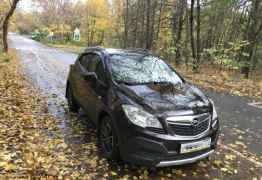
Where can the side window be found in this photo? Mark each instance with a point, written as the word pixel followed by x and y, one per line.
pixel 93 63
pixel 100 72
pixel 85 60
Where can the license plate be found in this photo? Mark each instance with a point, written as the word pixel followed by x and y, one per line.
pixel 195 146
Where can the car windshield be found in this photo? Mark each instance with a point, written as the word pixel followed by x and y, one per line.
pixel 141 69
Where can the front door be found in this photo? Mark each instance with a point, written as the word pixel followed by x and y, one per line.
pixel 84 93
pixel 99 88
pixel 91 94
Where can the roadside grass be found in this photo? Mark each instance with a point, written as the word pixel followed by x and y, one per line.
pixel 67 46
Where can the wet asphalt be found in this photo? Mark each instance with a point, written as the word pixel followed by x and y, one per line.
pixel 47 69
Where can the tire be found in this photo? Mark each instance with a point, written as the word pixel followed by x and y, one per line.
pixel 108 140
pixel 72 104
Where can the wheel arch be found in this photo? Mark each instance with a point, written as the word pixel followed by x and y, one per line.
pixel 106 114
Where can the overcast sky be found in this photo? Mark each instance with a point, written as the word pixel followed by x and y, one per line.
pixel 26 5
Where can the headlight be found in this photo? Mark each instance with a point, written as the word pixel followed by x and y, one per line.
pixel 214 114
pixel 140 117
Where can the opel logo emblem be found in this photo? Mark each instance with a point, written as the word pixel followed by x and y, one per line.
pixel 195 122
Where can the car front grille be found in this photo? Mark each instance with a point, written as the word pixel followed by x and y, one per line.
pixel 194 126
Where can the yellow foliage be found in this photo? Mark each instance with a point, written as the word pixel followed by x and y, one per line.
pixel 3 8
pixel 96 21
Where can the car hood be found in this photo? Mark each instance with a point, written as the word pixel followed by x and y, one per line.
pixel 168 98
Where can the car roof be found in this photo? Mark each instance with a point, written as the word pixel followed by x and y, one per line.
pixel 112 51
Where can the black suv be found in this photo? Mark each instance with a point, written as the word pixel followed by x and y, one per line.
pixel 145 112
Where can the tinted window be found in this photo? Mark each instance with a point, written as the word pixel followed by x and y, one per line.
pixel 93 63
pixel 100 72
pixel 84 60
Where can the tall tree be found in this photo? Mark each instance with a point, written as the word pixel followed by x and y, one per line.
pixel 148 21
pixel 178 23
pixel 126 24
pixel 161 6
pixel 198 41
pixel 253 32
pixel 5 24
pixel 192 35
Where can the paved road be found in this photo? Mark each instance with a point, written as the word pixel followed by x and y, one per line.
pixel 47 68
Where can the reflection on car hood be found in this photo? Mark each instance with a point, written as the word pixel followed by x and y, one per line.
pixel 167 98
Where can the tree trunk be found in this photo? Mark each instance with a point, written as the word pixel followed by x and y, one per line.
pixel 198 56
pixel 253 31
pixel 136 26
pixel 187 40
pixel 6 24
pixel 192 35
pixel 159 21
pixel 142 31
pixel 152 28
pixel 126 24
pixel 148 8
pixel 178 32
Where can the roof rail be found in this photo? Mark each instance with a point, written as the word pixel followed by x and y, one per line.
pixel 99 48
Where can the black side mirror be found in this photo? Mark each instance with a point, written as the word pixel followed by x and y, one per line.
pixel 90 77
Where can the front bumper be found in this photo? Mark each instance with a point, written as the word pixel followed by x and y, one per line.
pixel 151 149
pixel 184 161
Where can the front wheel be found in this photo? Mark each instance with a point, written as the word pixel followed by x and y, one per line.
pixel 72 104
pixel 108 139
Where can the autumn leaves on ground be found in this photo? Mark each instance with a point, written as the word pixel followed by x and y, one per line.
pixel 27 149
pixel 32 145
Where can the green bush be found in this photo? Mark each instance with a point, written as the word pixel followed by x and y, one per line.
pixel 39 36
pixel 227 56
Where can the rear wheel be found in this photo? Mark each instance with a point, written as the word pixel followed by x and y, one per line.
pixel 72 104
pixel 108 139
